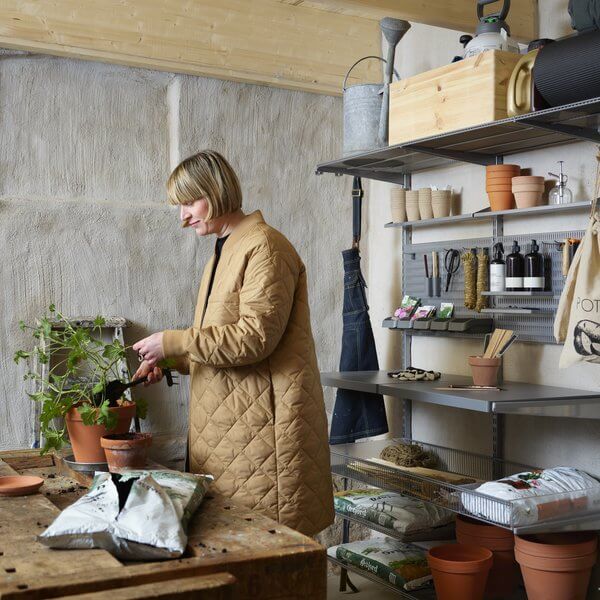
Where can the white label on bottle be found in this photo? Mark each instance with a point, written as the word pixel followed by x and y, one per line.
pixel 497 277
pixel 514 282
pixel 536 283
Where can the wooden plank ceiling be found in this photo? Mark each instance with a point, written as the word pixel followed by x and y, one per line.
pixel 294 44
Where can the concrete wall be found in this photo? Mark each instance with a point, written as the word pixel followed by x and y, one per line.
pixel 538 441
pixel 85 150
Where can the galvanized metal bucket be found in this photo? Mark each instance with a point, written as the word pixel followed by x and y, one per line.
pixel 362 113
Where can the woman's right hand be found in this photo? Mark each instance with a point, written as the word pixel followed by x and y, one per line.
pixel 152 374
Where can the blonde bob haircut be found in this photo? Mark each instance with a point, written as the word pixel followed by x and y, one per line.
pixel 206 175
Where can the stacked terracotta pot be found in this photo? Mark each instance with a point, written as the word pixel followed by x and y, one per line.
pixel 498 185
pixel 504 577
pixel 556 566
pixel 528 190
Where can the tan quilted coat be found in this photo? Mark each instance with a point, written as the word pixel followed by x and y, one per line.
pixel 257 417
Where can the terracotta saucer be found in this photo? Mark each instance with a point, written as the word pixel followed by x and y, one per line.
pixel 20 485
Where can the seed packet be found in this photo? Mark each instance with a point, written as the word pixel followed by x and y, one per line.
pixel 446 310
pixel 423 312
pixel 407 307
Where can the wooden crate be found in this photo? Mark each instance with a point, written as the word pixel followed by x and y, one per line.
pixel 463 94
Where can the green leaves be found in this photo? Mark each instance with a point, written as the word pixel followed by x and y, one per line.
pixel 141 407
pixel 88 413
pixel 21 355
pixel 114 351
pixel 74 357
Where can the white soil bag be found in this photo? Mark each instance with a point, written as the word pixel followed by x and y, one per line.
pixel 147 522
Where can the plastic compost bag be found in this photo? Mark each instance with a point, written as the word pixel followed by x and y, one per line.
pixel 577 322
pixel 136 515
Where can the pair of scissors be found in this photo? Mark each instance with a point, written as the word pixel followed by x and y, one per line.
pixel 451 264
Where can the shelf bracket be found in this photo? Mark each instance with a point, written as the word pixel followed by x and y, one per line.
pixel 570 130
pixel 469 157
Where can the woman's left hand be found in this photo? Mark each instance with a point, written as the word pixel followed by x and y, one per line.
pixel 150 348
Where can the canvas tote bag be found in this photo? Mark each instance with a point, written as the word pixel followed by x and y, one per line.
pixel 577 322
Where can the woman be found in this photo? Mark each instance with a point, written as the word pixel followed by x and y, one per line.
pixel 257 417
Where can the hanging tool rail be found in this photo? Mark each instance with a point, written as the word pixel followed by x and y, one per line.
pixel 536 326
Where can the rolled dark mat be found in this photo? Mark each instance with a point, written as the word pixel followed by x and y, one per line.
pixel 568 70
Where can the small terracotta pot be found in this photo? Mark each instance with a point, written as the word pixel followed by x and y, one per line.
pixel 499 187
pixel 499 168
pixel 501 200
pixel 499 178
pixel 459 571
pixel 85 439
pixel 484 370
pixel 527 199
pixel 556 566
pixel 528 180
pixel 505 575
pixel 126 450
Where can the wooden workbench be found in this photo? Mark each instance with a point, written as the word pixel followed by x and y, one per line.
pixel 232 552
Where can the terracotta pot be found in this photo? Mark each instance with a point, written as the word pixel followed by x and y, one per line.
pixel 499 187
pixel 484 370
pixel 126 450
pixel 497 178
pixel 529 180
pixel 527 199
pixel 505 575
pixel 459 571
pixel 556 566
pixel 85 439
pixel 499 168
pixel 501 200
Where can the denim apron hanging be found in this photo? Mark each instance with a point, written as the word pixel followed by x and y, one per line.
pixel 356 414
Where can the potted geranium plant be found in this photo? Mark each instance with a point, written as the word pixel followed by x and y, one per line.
pixel 72 391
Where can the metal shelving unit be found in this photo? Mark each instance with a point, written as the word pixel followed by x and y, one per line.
pixel 483 145
pixel 565 510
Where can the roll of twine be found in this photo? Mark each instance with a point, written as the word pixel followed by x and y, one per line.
pixel 469 261
pixel 408 455
pixel 482 280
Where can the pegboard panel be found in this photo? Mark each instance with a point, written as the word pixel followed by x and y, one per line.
pixel 536 327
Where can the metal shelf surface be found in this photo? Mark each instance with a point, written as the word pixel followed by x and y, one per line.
pixel 484 144
pixel 513 398
pixel 442 533
pixel 518 294
pixel 563 511
pixel 487 213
